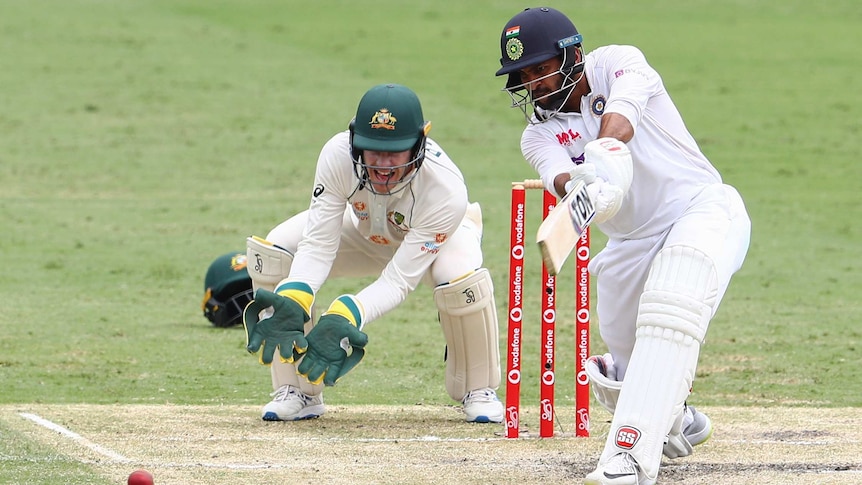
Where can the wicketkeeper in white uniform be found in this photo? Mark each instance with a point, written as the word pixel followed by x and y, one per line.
pixel 676 233
pixel 387 201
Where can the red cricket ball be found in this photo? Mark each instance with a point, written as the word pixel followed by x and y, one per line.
pixel 141 477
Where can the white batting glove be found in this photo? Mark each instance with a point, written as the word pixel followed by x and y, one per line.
pixel 606 198
pixel 582 171
pixel 615 161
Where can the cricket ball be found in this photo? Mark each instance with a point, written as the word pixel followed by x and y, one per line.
pixel 141 477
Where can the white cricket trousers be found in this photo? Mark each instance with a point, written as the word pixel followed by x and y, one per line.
pixel 716 223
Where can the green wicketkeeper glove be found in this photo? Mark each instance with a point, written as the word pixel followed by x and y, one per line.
pixel 336 332
pixel 284 328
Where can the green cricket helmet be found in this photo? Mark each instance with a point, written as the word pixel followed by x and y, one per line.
pixel 227 290
pixel 389 119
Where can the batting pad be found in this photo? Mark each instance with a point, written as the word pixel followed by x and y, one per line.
pixel 283 373
pixel 674 312
pixel 468 317
pixel 268 264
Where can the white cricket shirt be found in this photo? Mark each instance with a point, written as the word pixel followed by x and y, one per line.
pixel 669 168
pixel 413 224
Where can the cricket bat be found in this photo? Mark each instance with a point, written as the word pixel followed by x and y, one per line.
pixel 559 233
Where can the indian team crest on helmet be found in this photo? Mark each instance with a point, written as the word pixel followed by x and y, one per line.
pixel 514 46
pixel 383 119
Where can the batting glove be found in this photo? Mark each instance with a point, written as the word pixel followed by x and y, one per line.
pixel 606 198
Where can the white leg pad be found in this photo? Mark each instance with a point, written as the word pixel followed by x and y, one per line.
pixel 674 312
pixel 268 264
pixel 600 370
pixel 468 317
pixel 284 373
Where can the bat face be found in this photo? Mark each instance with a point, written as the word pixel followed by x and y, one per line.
pixel 560 231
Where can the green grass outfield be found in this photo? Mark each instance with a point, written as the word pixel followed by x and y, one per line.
pixel 141 139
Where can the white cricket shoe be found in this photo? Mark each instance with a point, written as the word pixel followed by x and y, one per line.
pixel 696 429
pixel 483 406
pixel 621 469
pixel 696 426
pixel 291 404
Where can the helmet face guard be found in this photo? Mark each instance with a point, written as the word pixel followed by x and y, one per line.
pixel 417 156
pixel 227 313
pixel 227 290
pixel 530 38
pixel 548 105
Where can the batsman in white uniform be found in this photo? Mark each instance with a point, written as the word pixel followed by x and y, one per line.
pixel 387 202
pixel 676 233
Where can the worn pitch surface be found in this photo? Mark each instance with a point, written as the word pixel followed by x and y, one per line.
pixel 423 445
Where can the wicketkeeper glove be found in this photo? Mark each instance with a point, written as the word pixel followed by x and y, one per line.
pixel 281 327
pixel 336 333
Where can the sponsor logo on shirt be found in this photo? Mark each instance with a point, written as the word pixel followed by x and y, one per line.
pixel 567 137
pixel 359 211
pixel 623 72
pixel 431 248
pixel 434 247
pixel 378 239
pixel 318 190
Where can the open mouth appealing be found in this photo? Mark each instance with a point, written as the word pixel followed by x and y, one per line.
pixel 383 177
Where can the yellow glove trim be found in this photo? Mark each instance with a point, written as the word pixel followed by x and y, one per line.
pixel 348 307
pixel 299 292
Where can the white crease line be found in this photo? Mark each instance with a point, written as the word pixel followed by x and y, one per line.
pixel 787 442
pixel 76 437
pixel 420 439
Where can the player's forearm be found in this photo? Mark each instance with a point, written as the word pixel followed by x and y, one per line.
pixel 560 182
pixel 617 126
pixel 379 298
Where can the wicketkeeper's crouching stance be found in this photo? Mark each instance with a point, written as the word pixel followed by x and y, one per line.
pixel 386 201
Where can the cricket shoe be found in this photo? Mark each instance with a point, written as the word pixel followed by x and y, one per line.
pixel 291 404
pixel 696 429
pixel 483 406
pixel 621 469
